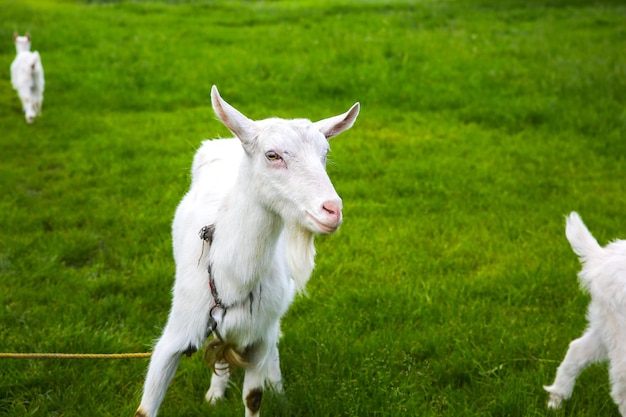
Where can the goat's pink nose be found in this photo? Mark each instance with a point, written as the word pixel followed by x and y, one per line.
pixel 333 209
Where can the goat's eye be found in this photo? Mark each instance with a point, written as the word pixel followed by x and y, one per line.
pixel 272 156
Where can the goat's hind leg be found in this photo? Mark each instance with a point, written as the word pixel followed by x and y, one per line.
pixel 583 351
pixel 219 381
pixel 617 370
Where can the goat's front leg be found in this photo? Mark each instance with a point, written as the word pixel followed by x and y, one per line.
pixel 274 376
pixel 184 333
pixel 163 364
pixel 254 381
pixel 262 362
pixel 37 105
pixel 582 352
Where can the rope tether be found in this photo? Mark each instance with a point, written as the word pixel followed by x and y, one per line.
pixel 74 355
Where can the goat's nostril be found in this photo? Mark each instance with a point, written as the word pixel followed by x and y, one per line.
pixel 332 208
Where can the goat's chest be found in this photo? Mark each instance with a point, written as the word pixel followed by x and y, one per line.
pixel 249 320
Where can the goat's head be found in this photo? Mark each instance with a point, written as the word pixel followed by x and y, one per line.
pixel 287 161
pixel 22 43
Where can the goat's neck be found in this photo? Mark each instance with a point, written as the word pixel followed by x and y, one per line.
pixel 244 245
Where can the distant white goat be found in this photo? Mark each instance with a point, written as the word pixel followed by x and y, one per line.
pixel 27 77
pixel 603 274
pixel 257 202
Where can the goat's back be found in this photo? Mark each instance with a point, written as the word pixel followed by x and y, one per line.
pixel 27 71
pixel 216 160
pixel 606 275
pixel 213 173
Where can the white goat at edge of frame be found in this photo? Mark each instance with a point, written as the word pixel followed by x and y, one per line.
pixel 603 275
pixel 27 77
pixel 267 194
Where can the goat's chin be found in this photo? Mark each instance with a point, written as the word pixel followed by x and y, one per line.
pixel 326 230
pixel 319 227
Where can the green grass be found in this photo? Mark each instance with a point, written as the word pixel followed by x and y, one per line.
pixel 450 289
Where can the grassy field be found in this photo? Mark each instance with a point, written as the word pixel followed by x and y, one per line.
pixel 450 289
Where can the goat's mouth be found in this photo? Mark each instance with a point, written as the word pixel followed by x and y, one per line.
pixel 325 228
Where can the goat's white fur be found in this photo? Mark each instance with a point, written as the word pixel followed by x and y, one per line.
pixel 603 275
pixel 27 77
pixel 267 193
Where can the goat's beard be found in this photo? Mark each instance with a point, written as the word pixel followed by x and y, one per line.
pixel 300 254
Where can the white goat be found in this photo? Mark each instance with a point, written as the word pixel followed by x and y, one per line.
pixel 603 274
pixel 27 77
pixel 263 195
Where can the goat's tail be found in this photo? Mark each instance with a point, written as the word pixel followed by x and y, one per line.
pixel 580 238
pixel 219 352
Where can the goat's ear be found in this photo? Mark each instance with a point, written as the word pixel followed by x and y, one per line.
pixel 239 124
pixel 15 35
pixel 335 125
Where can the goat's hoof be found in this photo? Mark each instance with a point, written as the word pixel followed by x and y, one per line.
pixel 555 401
pixel 213 397
pixel 140 413
pixel 276 387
